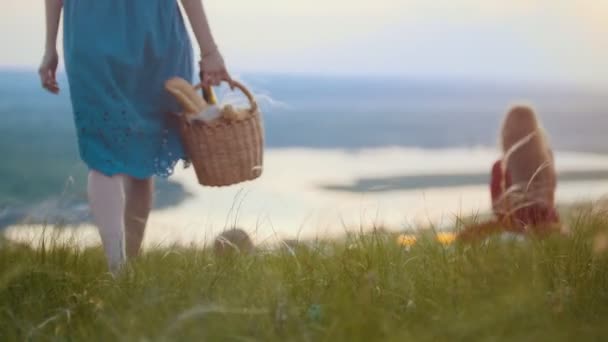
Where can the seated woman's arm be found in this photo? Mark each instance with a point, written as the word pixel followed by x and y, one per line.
pixel 496 187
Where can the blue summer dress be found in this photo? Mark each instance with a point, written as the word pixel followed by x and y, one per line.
pixel 118 55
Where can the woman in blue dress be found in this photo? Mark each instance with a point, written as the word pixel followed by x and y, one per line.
pixel 118 55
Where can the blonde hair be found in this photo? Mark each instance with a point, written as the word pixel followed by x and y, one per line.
pixel 528 156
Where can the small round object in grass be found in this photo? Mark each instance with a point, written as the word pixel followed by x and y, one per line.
pixel 231 242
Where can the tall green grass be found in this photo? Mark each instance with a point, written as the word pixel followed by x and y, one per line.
pixel 364 287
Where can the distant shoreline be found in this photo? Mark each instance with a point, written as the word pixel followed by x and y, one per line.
pixel 419 182
pixel 73 210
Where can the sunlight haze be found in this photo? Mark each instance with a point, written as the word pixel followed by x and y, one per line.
pixel 509 40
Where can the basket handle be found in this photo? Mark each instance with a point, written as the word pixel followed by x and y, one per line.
pixel 244 90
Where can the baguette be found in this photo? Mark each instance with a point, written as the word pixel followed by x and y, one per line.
pixel 186 95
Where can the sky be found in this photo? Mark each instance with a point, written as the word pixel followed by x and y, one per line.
pixel 512 40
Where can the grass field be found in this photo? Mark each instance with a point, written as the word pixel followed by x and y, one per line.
pixel 364 287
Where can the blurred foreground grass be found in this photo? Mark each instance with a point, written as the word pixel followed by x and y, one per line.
pixel 364 287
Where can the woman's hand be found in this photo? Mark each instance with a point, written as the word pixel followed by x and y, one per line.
pixel 214 70
pixel 48 71
pixel 212 63
pixel 48 67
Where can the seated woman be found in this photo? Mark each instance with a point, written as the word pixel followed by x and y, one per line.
pixel 523 181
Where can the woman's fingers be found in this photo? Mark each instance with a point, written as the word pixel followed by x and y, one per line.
pixel 51 85
pixel 214 70
pixel 48 80
pixel 209 79
pixel 53 88
pixel 43 73
pixel 212 79
pixel 224 76
pixel 215 78
pixel 47 70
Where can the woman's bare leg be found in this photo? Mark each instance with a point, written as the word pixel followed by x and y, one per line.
pixel 139 195
pixel 107 202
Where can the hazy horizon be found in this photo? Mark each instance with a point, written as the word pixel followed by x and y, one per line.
pixel 542 41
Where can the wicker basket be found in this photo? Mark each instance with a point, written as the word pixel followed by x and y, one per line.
pixel 225 152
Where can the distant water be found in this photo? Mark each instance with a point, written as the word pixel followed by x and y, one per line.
pixel 353 113
pixel 292 200
pixel 313 118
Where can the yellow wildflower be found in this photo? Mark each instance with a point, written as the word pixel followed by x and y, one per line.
pixel 406 240
pixel 446 238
